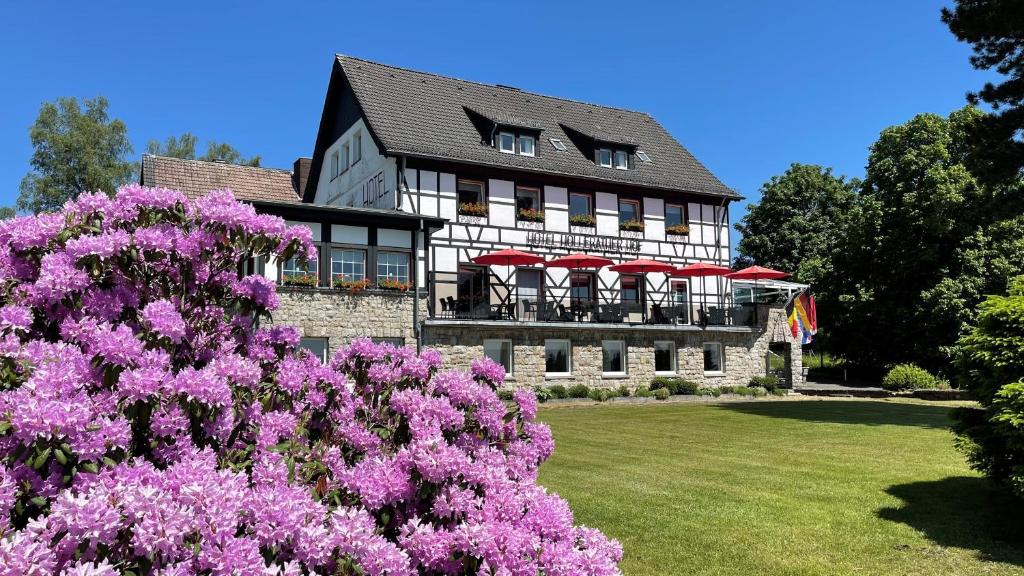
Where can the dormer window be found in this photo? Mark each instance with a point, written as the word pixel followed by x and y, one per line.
pixel 621 160
pixel 604 157
pixel 526 144
pixel 507 142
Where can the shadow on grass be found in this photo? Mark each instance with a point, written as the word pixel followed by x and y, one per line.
pixel 848 412
pixel 963 512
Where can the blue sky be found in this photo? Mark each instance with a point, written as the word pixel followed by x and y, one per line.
pixel 748 86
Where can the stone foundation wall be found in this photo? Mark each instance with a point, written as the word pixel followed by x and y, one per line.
pixel 340 316
pixel 745 350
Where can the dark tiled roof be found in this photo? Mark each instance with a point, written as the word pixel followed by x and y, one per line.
pixel 198 177
pixel 426 115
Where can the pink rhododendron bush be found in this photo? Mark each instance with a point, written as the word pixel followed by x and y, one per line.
pixel 151 424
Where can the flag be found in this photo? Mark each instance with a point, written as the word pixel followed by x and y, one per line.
pixel 803 316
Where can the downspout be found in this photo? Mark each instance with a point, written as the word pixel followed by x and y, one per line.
pixel 416 288
pixel 718 249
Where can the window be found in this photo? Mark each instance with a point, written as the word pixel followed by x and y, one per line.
pixel 318 346
pixel 581 287
pixel 507 142
pixel 621 160
pixel 629 211
pixel 471 192
pixel 292 273
pixel 664 357
pixel 643 156
pixel 472 291
pixel 347 265
pixel 681 300
pixel 580 204
pixel 558 144
pixel 344 156
pixel 557 357
pixel 675 215
pixel 713 359
pixel 604 157
pixel 334 164
pixel 630 289
pixel 613 357
pixel 528 205
pixel 357 147
pixel 393 266
pixel 526 145
pixel 501 352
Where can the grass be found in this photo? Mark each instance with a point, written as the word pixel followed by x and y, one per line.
pixel 782 487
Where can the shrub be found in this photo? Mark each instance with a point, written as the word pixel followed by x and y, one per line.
pixel 727 389
pixel 779 392
pixel 674 385
pixel 643 393
pixel 542 395
pixel 558 391
pixel 709 391
pixel 767 382
pixel 624 391
pixel 744 391
pixel 906 377
pixel 150 425
pixel 661 393
pixel 506 394
pixel 597 395
pixel 578 391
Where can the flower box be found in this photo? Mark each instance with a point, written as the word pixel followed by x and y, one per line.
pixel 531 215
pixel 583 220
pixel 473 209
pixel 393 285
pixel 632 225
pixel 678 229
pixel 308 280
pixel 352 286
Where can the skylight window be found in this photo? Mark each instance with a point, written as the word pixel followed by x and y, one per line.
pixel 643 156
pixel 558 144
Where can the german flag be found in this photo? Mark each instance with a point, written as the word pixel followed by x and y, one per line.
pixel 803 316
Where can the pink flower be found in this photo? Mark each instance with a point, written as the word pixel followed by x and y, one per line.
pixel 164 319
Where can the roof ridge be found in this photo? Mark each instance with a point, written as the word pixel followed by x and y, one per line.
pixel 495 86
pixel 268 168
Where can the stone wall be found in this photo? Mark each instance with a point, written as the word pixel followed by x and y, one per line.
pixel 340 316
pixel 745 350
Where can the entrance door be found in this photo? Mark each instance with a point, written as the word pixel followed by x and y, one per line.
pixel 778 362
pixel 529 291
pixel 472 292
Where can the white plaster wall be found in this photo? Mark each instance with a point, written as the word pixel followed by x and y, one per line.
pixel 346 189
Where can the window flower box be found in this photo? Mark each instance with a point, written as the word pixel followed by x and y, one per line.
pixel 393 285
pixel 678 229
pixel 531 215
pixel 352 286
pixel 308 280
pixel 585 220
pixel 632 225
pixel 478 209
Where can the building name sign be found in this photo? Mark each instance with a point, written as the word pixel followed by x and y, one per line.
pixel 374 192
pixel 583 242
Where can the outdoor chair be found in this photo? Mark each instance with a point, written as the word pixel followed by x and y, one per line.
pixel 549 311
pixel 445 312
pixel 657 316
pixel 529 311
pixel 510 310
pixel 453 307
pixel 564 315
pixel 716 316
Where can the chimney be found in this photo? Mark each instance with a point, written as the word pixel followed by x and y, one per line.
pixel 300 174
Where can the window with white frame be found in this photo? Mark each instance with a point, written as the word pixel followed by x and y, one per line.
pixel 526 145
pixel 347 265
pixel 714 360
pixel 528 202
pixel 501 352
pixel 557 357
pixel 613 357
pixel 665 357
pixel 334 164
pixel 295 274
pixel 357 147
pixel 318 346
pixel 393 266
pixel 344 157
pixel 471 192
pixel 604 157
pixel 621 160
pixel 507 142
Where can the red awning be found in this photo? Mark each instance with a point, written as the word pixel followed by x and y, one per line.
pixel 508 257
pixel 757 273
pixel 701 269
pixel 578 262
pixel 641 266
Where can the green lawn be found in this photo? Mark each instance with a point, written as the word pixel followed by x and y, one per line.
pixel 782 487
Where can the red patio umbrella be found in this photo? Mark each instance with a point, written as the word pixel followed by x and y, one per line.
pixel 508 257
pixel 756 273
pixel 642 266
pixel 702 270
pixel 578 262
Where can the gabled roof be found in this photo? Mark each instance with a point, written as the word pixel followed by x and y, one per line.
pixel 196 178
pixel 428 116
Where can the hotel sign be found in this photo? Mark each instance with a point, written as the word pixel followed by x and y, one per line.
pixel 374 193
pixel 583 242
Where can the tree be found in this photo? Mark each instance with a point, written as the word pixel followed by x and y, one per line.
pixel 7 212
pixel 995 30
pixel 75 152
pixel 149 424
pixel 184 147
pixel 991 361
pixel 798 221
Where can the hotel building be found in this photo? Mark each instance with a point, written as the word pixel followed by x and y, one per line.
pixel 414 175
